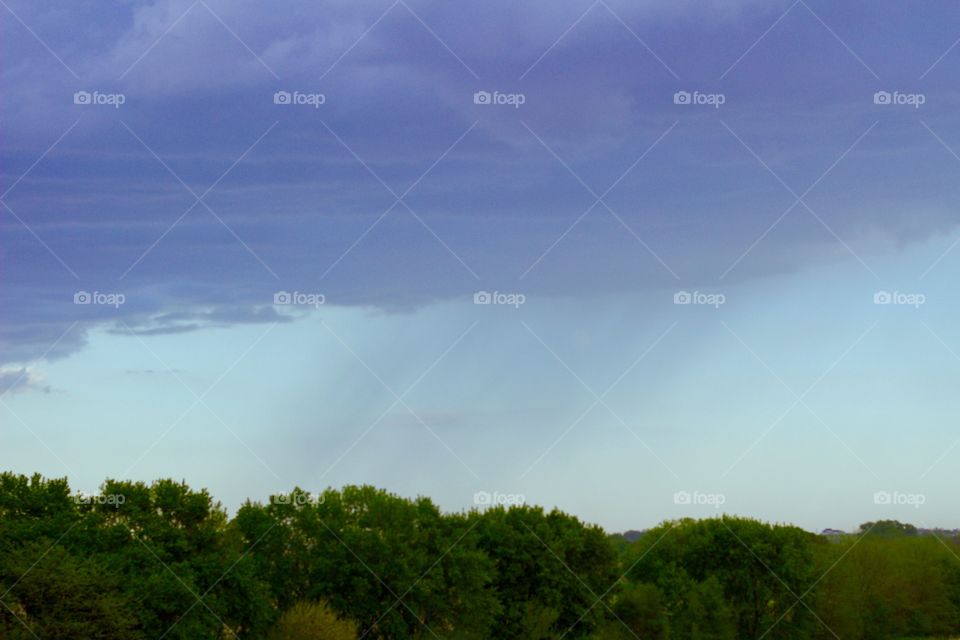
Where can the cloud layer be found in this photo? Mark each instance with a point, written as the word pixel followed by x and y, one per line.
pixel 198 198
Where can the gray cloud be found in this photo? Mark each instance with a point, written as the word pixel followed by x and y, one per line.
pixel 291 213
pixel 19 380
pixel 194 320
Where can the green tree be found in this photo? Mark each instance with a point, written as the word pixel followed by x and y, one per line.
pixel 313 621
pixel 163 560
pixel 546 562
pixel 888 529
pixel 178 559
pixel 397 566
pixel 890 586
pixel 761 569
pixel 705 614
pixel 51 593
pixel 640 609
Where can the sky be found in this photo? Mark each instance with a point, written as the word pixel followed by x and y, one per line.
pixel 635 260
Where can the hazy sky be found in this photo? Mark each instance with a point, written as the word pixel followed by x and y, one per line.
pixel 790 170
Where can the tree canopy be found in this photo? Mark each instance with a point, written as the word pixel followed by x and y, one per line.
pixel 163 560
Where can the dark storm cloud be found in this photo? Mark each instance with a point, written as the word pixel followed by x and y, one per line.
pixel 198 198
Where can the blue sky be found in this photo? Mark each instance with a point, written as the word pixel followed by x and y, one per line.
pixel 187 194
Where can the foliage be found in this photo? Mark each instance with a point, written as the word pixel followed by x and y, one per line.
pixel 757 573
pixel 160 557
pixel 888 529
pixel 398 567
pixel 891 587
pixel 55 594
pixel 547 565
pixel 313 621
pixel 163 560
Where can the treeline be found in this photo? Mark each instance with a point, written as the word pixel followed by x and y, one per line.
pixel 164 561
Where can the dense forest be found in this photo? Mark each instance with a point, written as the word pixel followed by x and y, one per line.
pixel 153 561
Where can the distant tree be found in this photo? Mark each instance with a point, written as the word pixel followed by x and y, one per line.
pixel 398 567
pixel 888 587
pixel 546 562
pixel 313 621
pixel 888 529
pixel 761 570
pixel 619 542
